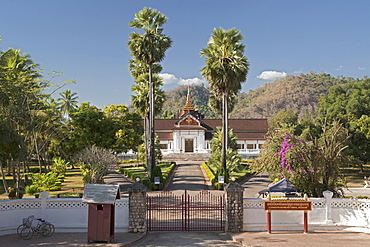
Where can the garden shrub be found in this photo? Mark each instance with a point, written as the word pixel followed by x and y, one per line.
pixel 32 189
pixel 12 193
pixel 157 172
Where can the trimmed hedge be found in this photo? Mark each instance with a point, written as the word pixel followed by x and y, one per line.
pixel 139 171
pixel 238 175
pixel 128 161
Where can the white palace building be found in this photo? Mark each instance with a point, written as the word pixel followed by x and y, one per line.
pixel 190 133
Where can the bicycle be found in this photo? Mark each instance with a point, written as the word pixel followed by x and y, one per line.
pixel 32 226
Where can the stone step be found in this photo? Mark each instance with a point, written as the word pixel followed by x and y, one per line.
pixel 187 156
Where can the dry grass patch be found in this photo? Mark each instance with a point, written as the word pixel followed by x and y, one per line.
pixel 354 176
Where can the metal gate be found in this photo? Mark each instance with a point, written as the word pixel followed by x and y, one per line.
pixel 201 212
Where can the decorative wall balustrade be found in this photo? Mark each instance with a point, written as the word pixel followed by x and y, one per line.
pixel 70 214
pixel 66 214
pixel 326 214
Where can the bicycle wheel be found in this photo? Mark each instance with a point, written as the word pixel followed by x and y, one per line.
pixel 26 233
pixel 19 229
pixel 47 229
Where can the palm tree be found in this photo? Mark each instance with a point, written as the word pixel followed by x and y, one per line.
pixel 149 48
pixel 141 100
pixel 67 103
pixel 226 68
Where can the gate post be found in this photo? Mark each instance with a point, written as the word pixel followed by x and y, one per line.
pixel 137 208
pixel 234 207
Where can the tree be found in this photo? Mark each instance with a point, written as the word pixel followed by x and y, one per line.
pixel 21 94
pixel 67 103
pixel 311 165
pixel 167 114
pixel 149 48
pixel 114 128
pixel 95 163
pixel 128 128
pixel 226 68
pixel 283 119
pixel 350 104
pixel 141 102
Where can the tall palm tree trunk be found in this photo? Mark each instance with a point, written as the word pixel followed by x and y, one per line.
pixel 151 151
pixel 225 127
pixel 146 137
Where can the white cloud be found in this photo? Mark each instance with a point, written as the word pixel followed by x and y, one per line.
pixel 168 78
pixel 191 81
pixel 272 75
pixel 172 79
pixel 361 68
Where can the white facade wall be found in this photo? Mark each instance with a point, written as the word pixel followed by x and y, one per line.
pixel 203 146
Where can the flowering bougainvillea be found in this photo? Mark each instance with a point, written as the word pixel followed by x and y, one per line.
pixel 312 166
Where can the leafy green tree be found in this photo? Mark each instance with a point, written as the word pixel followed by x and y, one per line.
pixel 149 48
pixel 90 127
pixel 351 104
pixel 20 95
pixel 114 128
pixel 226 68
pixel 283 119
pixel 167 114
pixel 128 128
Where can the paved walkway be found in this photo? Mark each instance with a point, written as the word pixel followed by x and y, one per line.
pixel 115 177
pixel 298 239
pixel 188 176
pixel 164 239
pixel 68 239
pixel 255 184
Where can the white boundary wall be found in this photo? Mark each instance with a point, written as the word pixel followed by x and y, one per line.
pixel 70 214
pixel 66 214
pixel 327 214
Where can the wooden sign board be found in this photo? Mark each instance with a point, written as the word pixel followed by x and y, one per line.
pixel 288 205
pixel 101 193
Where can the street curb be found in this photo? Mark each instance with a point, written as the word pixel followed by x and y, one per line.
pixel 135 242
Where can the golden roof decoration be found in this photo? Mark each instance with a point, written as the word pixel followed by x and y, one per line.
pixel 188 106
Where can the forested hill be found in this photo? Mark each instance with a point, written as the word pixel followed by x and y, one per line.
pixel 298 93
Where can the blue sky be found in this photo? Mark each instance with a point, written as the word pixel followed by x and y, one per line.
pixel 86 39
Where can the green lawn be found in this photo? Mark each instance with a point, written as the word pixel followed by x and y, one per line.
pixel 72 183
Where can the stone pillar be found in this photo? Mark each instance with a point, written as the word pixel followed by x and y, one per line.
pixel 43 196
pixel 137 208
pixel 328 195
pixel 234 207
